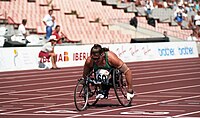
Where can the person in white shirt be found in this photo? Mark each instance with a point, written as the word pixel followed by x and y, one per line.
pixel 22 29
pixel 47 51
pixel 48 22
pixel 197 19
pixel 148 7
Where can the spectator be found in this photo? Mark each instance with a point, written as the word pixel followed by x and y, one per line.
pixel 148 7
pixel 192 37
pixel 48 22
pixel 22 29
pixel 179 14
pixel 56 33
pixel 197 19
pixel 54 22
pixel 47 51
pixel 50 4
pixel 22 33
pixel 166 36
pixel 165 4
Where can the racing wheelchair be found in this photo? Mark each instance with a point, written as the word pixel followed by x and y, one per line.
pixel 86 89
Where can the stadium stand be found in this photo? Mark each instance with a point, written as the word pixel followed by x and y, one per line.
pixel 89 21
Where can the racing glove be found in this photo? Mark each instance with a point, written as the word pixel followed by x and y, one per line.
pixel 130 95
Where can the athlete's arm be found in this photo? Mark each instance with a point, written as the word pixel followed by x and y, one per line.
pixel 118 63
pixel 87 67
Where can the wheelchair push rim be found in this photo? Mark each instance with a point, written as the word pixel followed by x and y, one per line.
pixel 81 95
pixel 120 88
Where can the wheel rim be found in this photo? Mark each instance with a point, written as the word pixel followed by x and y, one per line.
pixel 120 88
pixel 81 95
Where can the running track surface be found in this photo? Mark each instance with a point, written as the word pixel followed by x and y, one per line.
pixel 164 89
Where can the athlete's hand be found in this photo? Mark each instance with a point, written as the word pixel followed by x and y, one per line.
pixel 130 94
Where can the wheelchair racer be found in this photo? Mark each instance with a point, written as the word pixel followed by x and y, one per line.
pixel 102 58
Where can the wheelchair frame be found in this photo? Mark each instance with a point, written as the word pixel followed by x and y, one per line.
pixel 84 90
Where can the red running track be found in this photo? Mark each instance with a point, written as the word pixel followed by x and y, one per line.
pixel 164 89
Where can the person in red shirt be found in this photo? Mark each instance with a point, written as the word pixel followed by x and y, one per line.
pixel 56 32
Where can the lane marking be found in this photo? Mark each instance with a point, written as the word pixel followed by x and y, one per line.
pixel 189 93
pixel 76 80
pixel 36 72
pixel 134 85
pixel 142 105
pixel 120 116
pixel 166 68
pixel 81 71
pixel 185 114
pixel 74 86
pixel 179 105
pixel 106 110
pixel 57 111
pixel 69 69
pixel 166 71
pixel 145 113
pixel 155 96
pixel 29 114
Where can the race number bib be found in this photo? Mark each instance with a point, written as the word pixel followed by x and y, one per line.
pixel 102 75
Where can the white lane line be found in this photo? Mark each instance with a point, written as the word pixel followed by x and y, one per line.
pixel 33 98
pixel 55 91
pixel 165 68
pixel 139 100
pixel 193 100
pixel 19 73
pixel 41 114
pixel 40 83
pixel 36 75
pixel 161 110
pixel 47 78
pixel 142 105
pixel 153 83
pixel 121 116
pixel 8 98
pixel 166 71
pixel 185 114
pixel 43 78
pixel 59 99
pixel 33 90
pixel 169 75
pixel 168 81
pixel 134 85
pixel 107 110
pixel 179 105
pixel 171 89
pixel 163 96
pixel 74 86
pixel 134 79
pixel 189 62
pixel 28 103
pixel 188 93
pixel 14 94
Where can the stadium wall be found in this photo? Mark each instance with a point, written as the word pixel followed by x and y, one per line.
pixel 23 58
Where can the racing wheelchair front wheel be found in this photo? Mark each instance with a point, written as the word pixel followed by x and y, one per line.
pixel 81 95
pixel 120 88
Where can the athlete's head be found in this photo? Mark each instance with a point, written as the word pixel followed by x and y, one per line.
pixel 96 51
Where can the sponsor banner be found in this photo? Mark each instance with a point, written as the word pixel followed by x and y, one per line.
pixel 21 58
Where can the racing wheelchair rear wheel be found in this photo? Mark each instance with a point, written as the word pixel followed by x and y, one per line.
pixel 81 95
pixel 120 88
